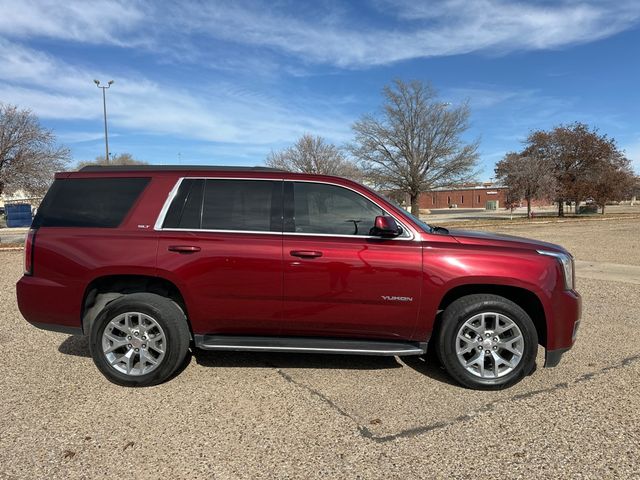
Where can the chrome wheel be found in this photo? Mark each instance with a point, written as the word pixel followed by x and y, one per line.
pixel 133 343
pixel 489 345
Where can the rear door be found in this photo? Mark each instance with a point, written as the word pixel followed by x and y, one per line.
pixel 339 280
pixel 221 241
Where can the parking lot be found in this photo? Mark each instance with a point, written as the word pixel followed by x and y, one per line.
pixel 243 415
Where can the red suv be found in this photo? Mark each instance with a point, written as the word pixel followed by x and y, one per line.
pixel 150 261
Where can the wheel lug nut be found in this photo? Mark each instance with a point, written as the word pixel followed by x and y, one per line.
pixel 129 346
pixel 144 338
pixel 129 337
pixel 496 339
pixel 487 352
pixel 137 349
pixel 144 346
pixel 135 333
pixel 495 348
pixel 488 335
pixel 480 347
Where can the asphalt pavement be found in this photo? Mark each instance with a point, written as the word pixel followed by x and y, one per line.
pixel 244 415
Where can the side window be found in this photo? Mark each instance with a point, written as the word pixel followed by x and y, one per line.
pixel 185 209
pixel 253 205
pixel 89 202
pixel 219 204
pixel 330 209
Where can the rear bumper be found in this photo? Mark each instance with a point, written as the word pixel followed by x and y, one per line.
pixel 49 305
pixel 52 327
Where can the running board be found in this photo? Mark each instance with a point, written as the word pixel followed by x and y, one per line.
pixel 308 345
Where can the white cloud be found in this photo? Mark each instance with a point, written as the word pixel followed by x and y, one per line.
pixel 98 21
pixel 452 27
pixel 49 105
pixel 82 136
pixel 485 97
pixel 216 112
pixel 323 34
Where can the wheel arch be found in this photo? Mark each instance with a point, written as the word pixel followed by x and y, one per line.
pixel 102 290
pixel 526 299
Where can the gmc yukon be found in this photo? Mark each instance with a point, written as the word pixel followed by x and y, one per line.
pixel 151 261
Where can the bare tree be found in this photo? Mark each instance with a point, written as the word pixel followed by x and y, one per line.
pixel 313 155
pixel 528 178
pixel 415 144
pixel 119 159
pixel 29 155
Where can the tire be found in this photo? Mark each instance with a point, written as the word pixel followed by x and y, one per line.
pixel 509 359
pixel 147 340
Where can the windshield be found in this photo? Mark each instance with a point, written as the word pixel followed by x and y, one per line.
pixel 423 225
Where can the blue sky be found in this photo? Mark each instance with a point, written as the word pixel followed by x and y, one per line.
pixel 227 82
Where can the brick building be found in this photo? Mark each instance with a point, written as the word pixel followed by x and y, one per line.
pixel 484 195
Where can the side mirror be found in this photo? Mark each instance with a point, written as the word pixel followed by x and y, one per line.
pixel 385 227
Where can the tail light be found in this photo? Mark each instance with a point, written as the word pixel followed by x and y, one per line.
pixel 28 251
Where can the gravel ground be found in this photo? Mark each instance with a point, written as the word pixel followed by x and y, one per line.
pixel 241 415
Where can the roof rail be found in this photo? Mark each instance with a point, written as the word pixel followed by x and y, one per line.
pixel 142 168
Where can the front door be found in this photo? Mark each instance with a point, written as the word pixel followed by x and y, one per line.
pixel 338 280
pixel 221 243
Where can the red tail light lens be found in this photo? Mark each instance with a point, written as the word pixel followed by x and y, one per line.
pixel 28 252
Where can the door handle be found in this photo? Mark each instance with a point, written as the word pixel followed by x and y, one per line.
pixel 183 248
pixel 305 253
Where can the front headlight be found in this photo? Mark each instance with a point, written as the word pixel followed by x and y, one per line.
pixel 566 261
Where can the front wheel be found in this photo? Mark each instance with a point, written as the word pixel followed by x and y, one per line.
pixel 487 342
pixel 139 339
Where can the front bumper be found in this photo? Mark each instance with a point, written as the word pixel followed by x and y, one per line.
pixel 552 357
pixel 563 329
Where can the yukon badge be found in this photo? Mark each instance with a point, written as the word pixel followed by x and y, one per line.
pixel 390 298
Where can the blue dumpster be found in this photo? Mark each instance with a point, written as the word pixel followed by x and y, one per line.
pixel 18 214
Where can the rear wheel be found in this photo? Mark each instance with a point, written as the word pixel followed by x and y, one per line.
pixel 487 342
pixel 139 339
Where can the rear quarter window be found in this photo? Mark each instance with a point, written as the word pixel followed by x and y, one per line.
pixel 89 202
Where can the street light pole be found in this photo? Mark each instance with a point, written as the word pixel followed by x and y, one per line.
pixel 104 109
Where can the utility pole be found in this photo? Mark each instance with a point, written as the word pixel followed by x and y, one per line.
pixel 104 109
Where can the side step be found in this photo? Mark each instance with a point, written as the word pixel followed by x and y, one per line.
pixel 308 345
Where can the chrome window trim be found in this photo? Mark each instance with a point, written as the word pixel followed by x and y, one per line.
pixel 165 208
pixel 167 204
pixel 208 230
pixel 338 235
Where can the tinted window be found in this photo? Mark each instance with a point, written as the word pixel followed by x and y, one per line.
pixel 329 209
pixel 252 205
pixel 186 207
pixel 88 202
pixel 242 205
